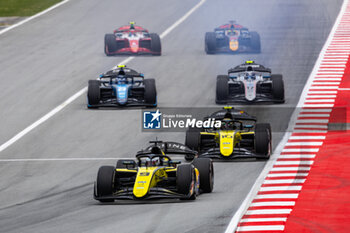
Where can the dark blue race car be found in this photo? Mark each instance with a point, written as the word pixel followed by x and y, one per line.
pixel 232 38
pixel 121 87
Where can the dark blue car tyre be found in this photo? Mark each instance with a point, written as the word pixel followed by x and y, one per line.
pixel 192 141
pixel 263 140
pixel 150 94
pixel 156 46
pixel 110 44
pixel 277 87
pixel 105 182
pixel 184 178
pixel 210 42
pixel 206 173
pixel 222 89
pixel 93 93
pixel 255 42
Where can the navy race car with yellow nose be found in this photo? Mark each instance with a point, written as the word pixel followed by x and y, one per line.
pixel 232 38
pixel 155 175
pixel 238 137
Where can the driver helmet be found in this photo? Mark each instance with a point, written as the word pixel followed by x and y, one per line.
pixel 132 33
pixel 148 162
pixel 156 161
pixel 231 32
pixel 227 124
pixel 250 75
pixel 121 79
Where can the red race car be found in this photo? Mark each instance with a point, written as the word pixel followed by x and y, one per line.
pixel 132 39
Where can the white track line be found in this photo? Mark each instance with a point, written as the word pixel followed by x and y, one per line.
pixel 33 17
pixel 269 211
pixel 298 156
pixel 264 220
pixel 317 110
pixel 321 96
pixel 278 196
pixel 301 150
pixel 286 175
pixel 304 115
pixel 279 169
pixel 261 228
pixel 294 162
pixel 182 19
pixel 42 119
pixel 306 143
pixel 82 91
pixel 284 181
pixel 312 120
pixel 302 130
pixel 279 188
pixel 275 203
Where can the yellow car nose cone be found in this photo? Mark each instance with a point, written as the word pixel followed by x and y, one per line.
pixel 226 142
pixel 234 45
pixel 143 182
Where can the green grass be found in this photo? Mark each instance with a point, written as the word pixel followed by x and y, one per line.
pixel 24 7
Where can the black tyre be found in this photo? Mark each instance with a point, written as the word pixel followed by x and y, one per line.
pixel 192 139
pixel 277 87
pixel 105 182
pixel 120 163
pixel 110 44
pixel 221 89
pixel 206 173
pixel 156 46
pixel 263 140
pixel 255 42
pixel 210 42
pixel 184 178
pixel 93 93
pixel 262 127
pixel 150 94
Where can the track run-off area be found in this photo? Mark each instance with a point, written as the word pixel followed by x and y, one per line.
pixel 52 145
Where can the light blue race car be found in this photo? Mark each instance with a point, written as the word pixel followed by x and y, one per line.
pixel 121 87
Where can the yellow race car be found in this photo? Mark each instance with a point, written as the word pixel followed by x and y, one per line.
pixel 155 175
pixel 238 137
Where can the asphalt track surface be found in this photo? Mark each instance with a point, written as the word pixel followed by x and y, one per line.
pixel 46 60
